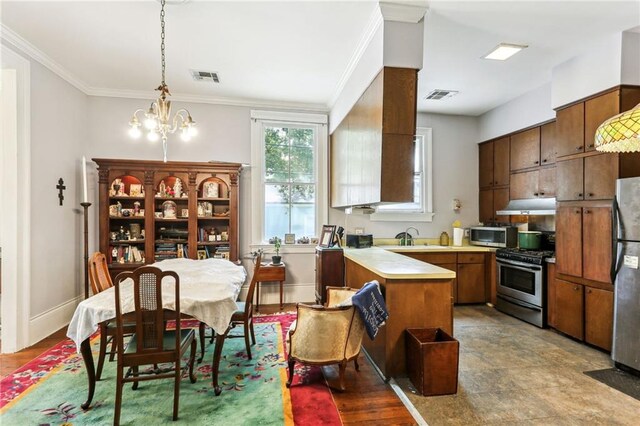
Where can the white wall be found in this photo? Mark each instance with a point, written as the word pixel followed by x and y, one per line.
pixel 58 130
pixel 630 58
pixel 596 70
pixel 526 110
pixel 455 175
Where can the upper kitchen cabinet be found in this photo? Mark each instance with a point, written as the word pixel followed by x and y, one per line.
pixel 494 163
pixel 372 150
pixel 525 149
pixel 548 143
pixel 583 173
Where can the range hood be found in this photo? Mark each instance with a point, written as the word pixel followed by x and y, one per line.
pixel 531 206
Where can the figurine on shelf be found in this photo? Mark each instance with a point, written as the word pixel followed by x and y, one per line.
pixel 114 254
pixel 121 234
pixel 118 209
pixel 116 185
pixel 177 188
pixel 136 208
pixel 162 189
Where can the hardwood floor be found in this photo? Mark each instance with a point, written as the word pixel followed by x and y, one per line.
pixel 367 399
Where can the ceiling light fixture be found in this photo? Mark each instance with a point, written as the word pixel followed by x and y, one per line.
pixel 504 51
pixel 620 133
pixel 157 119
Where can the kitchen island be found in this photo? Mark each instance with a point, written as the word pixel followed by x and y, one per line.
pixel 417 295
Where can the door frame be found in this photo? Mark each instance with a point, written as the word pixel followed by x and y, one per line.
pixel 15 203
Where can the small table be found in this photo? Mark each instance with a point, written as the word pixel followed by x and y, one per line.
pixel 270 272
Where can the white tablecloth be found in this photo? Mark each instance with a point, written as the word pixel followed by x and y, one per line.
pixel 208 292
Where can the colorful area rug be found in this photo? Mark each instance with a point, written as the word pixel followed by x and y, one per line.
pixel 50 389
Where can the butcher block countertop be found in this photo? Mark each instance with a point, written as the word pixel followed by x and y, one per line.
pixel 422 248
pixel 391 265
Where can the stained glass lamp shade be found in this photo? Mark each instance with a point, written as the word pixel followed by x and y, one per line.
pixel 620 133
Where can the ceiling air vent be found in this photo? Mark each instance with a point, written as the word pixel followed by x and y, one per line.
pixel 438 94
pixel 205 76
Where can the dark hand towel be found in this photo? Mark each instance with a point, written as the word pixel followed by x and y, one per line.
pixel 370 304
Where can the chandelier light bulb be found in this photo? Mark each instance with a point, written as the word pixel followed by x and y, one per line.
pixel 153 136
pixel 135 132
pixel 193 131
pixel 185 136
pixel 150 123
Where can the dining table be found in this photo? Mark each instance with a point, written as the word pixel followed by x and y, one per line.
pixel 209 289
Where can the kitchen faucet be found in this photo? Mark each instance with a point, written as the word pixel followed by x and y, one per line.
pixel 408 240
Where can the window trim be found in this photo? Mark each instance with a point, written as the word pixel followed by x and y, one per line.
pixel 259 119
pixel 427 213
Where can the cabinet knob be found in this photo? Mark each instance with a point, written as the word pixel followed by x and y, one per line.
pixel 590 194
pixel 544 161
pixel 587 211
pixel 535 193
pixel 590 145
pixel 575 288
pixel 577 211
pixel 579 194
pixel 536 162
pixel 588 290
pixel 578 148
pixel 542 193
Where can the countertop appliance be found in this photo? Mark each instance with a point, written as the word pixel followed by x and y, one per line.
pixel 496 236
pixel 626 273
pixel 521 289
pixel 360 240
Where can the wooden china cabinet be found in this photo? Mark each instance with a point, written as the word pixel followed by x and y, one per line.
pixel 151 211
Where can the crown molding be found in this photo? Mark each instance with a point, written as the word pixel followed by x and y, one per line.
pixel 403 11
pixel 375 22
pixel 14 39
pixel 251 103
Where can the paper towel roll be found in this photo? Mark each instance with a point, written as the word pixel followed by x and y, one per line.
pixel 457 236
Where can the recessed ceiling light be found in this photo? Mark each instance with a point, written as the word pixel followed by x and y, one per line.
pixel 504 51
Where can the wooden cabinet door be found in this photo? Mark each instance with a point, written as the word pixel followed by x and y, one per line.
pixel 470 279
pixel 569 241
pixel 454 289
pixel 500 201
pixel 596 111
pixel 598 317
pixel 485 157
pixel 548 144
pixel 600 173
pixel 525 149
pixel 486 206
pixel 551 294
pixel 524 185
pixel 596 240
pixel 570 308
pixel 547 182
pixel 501 162
pixel 569 180
pixel 570 130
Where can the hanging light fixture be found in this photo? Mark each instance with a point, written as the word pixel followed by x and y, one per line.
pixel 157 119
pixel 620 133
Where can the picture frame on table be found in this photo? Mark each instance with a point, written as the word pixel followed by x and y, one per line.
pixel 202 254
pixel 135 190
pixel 289 238
pixel 326 237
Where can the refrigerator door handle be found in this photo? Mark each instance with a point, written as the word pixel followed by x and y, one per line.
pixel 615 212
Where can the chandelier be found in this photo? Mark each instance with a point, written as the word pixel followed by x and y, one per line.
pixel 157 119
pixel 620 133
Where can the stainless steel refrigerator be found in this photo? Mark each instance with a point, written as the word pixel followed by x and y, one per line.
pixel 626 273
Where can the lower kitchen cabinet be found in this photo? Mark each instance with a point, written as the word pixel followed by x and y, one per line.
pixel 598 317
pixel 470 278
pixel 570 308
pixel 551 295
pixel 329 271
pixel 471 284
pixel 581 311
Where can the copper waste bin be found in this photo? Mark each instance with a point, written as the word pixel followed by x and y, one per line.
pixel 432 361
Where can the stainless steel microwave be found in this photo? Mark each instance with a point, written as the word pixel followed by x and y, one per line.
pixel 499 236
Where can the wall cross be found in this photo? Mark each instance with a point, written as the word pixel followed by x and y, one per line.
pixel 60 187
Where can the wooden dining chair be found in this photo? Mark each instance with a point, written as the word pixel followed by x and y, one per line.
pixel 151 344
pixel 244 315
pixel 101 280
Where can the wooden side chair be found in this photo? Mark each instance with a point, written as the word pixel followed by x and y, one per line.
pixel 244 315
pixel 151 344
pixel 326 335
pixel 100 281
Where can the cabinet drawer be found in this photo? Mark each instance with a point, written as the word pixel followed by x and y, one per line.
pixel 470 257
pixel 434 258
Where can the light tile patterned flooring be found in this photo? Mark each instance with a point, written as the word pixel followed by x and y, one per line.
pixel 514 373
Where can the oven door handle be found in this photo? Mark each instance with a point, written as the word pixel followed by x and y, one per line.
pixel 520 265
pixel 515 302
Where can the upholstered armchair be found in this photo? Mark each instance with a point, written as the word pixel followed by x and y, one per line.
pixel 326 335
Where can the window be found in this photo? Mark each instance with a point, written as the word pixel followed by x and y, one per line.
pixel 288 174
pixel 421 208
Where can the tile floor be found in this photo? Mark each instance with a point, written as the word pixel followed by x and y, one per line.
pixel 514 373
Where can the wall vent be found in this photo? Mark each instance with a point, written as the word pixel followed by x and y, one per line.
pixel 211 76
pixel 439 94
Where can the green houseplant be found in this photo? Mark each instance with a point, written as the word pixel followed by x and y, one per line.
pixel 277 242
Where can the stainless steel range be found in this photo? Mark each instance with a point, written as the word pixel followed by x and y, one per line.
pixel 522 280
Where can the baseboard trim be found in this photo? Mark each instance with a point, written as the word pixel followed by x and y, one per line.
pixel 292 293
pixel 48 322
